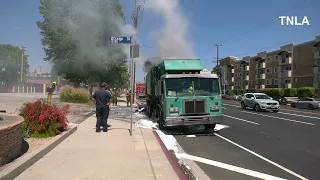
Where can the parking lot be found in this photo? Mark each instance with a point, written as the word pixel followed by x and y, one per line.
pixel 259 145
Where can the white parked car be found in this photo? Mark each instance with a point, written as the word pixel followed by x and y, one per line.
pixel 259 101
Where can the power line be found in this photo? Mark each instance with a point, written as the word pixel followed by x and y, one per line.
pixel 267 23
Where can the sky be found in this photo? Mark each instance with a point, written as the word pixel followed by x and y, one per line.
pixel 243 28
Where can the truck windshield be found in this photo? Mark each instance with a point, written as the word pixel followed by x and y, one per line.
pixel 177 87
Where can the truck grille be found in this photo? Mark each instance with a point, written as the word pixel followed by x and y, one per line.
pixel 194 107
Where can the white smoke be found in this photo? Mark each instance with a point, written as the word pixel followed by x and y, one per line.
pixel 90 22
pixel 171 40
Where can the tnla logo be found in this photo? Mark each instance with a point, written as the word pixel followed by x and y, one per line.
pixel 293 20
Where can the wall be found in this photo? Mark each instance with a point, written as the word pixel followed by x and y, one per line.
pixel 10 138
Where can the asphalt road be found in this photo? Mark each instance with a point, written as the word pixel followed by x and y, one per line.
pixel 284 145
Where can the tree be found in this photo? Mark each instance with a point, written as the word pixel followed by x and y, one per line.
pixel 76 35
pixel 10 64
pixel 214 70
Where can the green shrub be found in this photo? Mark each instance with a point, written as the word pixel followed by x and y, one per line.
pixel 230 92
pixel 272 92
pixel 317 93
pixel 306 92
pixel 74 95
pixel 251 91
pixel 290 92
pixel 239 91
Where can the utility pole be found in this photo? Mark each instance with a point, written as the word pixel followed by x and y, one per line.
pixel 22 59
pixel 218 68
pixel 134 16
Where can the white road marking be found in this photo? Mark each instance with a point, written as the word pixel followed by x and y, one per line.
pixel 263 158
pixel 312 117
pixel 191 136
pixel 224 108
pixel 232 105
pixel 237 169
pixel 279 118
pixel 241 119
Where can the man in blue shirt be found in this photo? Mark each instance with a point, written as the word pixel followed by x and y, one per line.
pixel 101 98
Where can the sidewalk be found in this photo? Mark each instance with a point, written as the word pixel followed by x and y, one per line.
pixel 112 155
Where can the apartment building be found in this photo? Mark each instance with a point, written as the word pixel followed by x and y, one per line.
pixel 290 66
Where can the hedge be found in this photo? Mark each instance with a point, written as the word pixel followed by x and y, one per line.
pixel 306 92
pixel 74 95
pixel 286 92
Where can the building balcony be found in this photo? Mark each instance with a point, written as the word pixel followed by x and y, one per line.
pixel 284 61
pixel 316 70
pixel 232 79
pixel 246 77
pixel 231 71
pixel 246 87
pixel 288 85
pixel 261 65
pixel 262 86
pixel 263 76
pixel 245 68
pixel 316 55
pixel 285 73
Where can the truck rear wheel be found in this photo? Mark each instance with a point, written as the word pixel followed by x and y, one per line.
pixel 161 122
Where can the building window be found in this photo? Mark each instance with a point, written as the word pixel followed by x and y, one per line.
pixel 296 80
pixel 275 69
pixel 295 67
pixel 240 74
pixel 275 81
pixel 287 81
pixel 268 59
pixel 269 70
pixel 236 75
pixel 288 68
pixel 267 81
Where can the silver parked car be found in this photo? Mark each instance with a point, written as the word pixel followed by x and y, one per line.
pixel 307 103
pixel 259 101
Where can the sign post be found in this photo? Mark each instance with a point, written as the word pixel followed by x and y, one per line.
pixel 134 53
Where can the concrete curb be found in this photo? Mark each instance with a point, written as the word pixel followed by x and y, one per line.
pixel 23 163
pixel 170 158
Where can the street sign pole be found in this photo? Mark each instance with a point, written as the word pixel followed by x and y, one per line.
pixel 127 40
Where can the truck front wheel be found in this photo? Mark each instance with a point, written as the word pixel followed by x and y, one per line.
pixel 209 127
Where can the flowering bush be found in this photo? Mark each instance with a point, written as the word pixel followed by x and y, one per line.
pixel 43 120
pixel 74 95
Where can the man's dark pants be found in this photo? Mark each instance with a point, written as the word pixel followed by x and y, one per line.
pixel 102 114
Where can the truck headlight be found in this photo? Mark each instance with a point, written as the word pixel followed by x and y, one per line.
pixel 214 108
pixel 174 110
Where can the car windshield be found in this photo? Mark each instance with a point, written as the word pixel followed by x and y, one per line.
pixel 262 96
pixel 177 87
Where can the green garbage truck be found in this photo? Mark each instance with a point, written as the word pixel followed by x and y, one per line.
pixel 180 93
